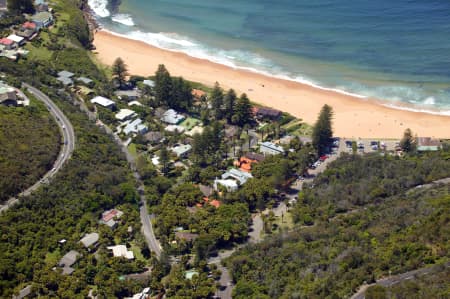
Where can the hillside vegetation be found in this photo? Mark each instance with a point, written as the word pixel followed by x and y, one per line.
pixel 29 144
pixel 353 233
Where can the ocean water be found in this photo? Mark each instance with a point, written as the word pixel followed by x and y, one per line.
pixel 398 51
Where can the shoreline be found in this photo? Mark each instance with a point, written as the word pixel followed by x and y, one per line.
pixel 354 116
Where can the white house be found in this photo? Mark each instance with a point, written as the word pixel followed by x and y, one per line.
pixel 241 176
pixel 135 126
pixel 42 19
pixel 172 117
pixel 269 148
pixel 104 102
pixel 121 251
pixel 182 150
pixel 125 114
pixel 174 128
pixel 230 185
pixel 17 39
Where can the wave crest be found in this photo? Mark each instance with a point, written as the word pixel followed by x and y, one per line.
pixel 99 7
pixel 123 19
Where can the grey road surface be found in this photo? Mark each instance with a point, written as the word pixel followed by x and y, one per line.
pixel 392 280
pixel 66 151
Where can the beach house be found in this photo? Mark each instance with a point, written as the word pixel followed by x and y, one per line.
pixel 172 117
pixel 269 148
pixel 428 144
pixel 67 261
pixel 8 44
pixel 42 19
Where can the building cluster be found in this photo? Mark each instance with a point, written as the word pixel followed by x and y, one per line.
pixel 90 242
pixel 11 46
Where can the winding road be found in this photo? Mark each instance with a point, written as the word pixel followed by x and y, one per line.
pixel 392 280
pixel 66 150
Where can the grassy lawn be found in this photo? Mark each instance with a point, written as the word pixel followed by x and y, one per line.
pixel 189 123
pixel 132 150
pixel 137 253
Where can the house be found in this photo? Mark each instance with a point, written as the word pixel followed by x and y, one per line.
pixel 427 144
pixel 90 240
pixel 189 237
pixel 85 81
pixel 109 217
pixel 172 117
pixel 20 41
pixel 182 150
pixel 269 148
pixel 121 251
pixel 29 25
pixel 136 127
pixel 104 102
pixel 174 129
pixel 28 34
pixel 198 94
pixel 65 78
pixel 9 98
pixel 229 185
pixel 40 5
pixel 42 19
pixel 266 113
pixel 142 295
pixel 125 114
pixel 8 44
pixel 131 95
pixel 241 176
pixel 206 190
pixel 215 203
pixel 149 83
pixel 246 161
pixel 153 137
pixel 67 261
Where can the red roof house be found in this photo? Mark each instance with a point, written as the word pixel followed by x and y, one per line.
pixel 29 25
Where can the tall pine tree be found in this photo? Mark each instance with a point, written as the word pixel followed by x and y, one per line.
pixel 217 101
pixel 243 111
pixel 120 72
pixel 163 86
pixel 323 132
pixel 229 103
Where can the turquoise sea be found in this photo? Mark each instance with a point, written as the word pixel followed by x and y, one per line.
pixel 394 50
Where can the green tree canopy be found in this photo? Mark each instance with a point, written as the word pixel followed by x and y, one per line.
pixel 120 71
pixel 323 132
pixel 243 111
pixel 21 6
pixel 407 143
pixel 163 85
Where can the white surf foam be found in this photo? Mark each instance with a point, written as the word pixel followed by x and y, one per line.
pixel 99 7
pixel 430 101
pixel 123 19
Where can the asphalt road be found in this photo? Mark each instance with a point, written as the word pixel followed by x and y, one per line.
pixel 66 151
pixel 147 228
pixel 392 280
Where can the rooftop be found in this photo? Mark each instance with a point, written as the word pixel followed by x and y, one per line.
pixel 237 174
pixel 102 101
pixel 89 239
pixel 124 113
pixel 272 146
pixel 132 93
pixel 173 128
pixel 43 16
pixel 186 236
pixel 110 214
pixel 6 41
pixel 15 38
pixel 69 259
pixel 153 136
pixel 66 74
pixel 84 80
pixel 149 83
pixel 121 251
pixel 172 117
pixel 134 103
pixel 181 149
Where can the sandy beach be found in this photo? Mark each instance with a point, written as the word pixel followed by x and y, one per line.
pixel 353 117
